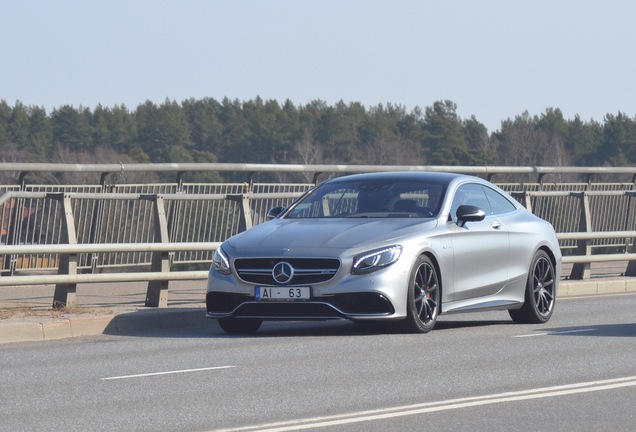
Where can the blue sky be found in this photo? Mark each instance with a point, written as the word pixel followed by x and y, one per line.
pixel 494 58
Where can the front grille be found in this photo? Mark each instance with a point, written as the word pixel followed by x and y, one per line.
pixel 307 271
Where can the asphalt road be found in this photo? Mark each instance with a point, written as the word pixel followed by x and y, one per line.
pixel 473 372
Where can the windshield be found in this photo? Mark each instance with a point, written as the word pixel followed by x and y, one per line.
pixel 370 198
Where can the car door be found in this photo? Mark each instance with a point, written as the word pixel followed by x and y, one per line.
pixel 481 249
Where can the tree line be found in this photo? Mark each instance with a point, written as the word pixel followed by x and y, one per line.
pixel 266 131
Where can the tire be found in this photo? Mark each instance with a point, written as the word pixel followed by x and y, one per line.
pixel 540 295
pixel 424 297
pixel 240 326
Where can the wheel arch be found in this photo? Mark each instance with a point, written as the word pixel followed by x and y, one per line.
pixel 550 254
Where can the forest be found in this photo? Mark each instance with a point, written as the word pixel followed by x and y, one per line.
pixel 267 131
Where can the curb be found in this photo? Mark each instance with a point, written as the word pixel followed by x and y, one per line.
pixel 618 285
pixel 39 329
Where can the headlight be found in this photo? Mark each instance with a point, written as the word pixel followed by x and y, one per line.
pixel 220 262
pixel 376 259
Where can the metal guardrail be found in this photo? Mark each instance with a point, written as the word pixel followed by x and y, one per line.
pixel 124 217
pixel 66 254
pixel 591 225
pixel 253 168
pixel 72 234
pixel 66 283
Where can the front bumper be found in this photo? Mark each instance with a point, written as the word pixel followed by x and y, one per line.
pixel 353 306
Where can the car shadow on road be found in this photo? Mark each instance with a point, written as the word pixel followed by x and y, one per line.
pixel 347 328
pixel 455 324
pixel 192 323
pixel 602 330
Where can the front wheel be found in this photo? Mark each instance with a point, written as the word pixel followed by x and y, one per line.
pixel 540 295
pixel 240 326
pixel 424 297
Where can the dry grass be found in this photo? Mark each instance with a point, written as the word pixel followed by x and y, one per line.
pixel 22 311
pixel 77 309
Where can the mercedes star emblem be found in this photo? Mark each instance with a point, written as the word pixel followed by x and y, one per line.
pixel 283 272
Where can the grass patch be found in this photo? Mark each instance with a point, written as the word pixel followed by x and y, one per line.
pixel 76 309
pixel 22 311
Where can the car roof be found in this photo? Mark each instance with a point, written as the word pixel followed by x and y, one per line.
pixel 425 176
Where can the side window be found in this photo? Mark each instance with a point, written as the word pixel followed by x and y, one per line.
pixel 470 194
pixel 498 203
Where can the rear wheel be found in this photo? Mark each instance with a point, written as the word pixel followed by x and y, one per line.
pixel 540 293
pixel 240 326
pixel 424 297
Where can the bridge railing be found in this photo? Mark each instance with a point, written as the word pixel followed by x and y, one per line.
pixel 592 225
pixel 134 236
pixel 69 234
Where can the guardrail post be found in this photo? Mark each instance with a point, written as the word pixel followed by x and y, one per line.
pixel 243 201
pixel 524 198
pixel 15 225
pixel 157 292
pixel 631 265
pixel 65 293
pixel 13 229
pixel 582 270
pixel 91 261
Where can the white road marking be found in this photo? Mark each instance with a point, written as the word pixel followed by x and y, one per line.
pixel 429 407
pixel 166 373
pixel 555 333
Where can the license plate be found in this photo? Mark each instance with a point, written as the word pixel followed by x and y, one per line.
pixel 282 293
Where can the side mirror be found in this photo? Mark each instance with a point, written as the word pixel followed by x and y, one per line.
pixel 469 213
pixel 274 212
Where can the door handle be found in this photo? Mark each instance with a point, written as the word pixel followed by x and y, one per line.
pixel 495 225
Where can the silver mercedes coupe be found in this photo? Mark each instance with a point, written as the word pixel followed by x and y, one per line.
pixel 402 247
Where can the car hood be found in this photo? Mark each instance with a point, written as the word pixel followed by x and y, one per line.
pixel 340 233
